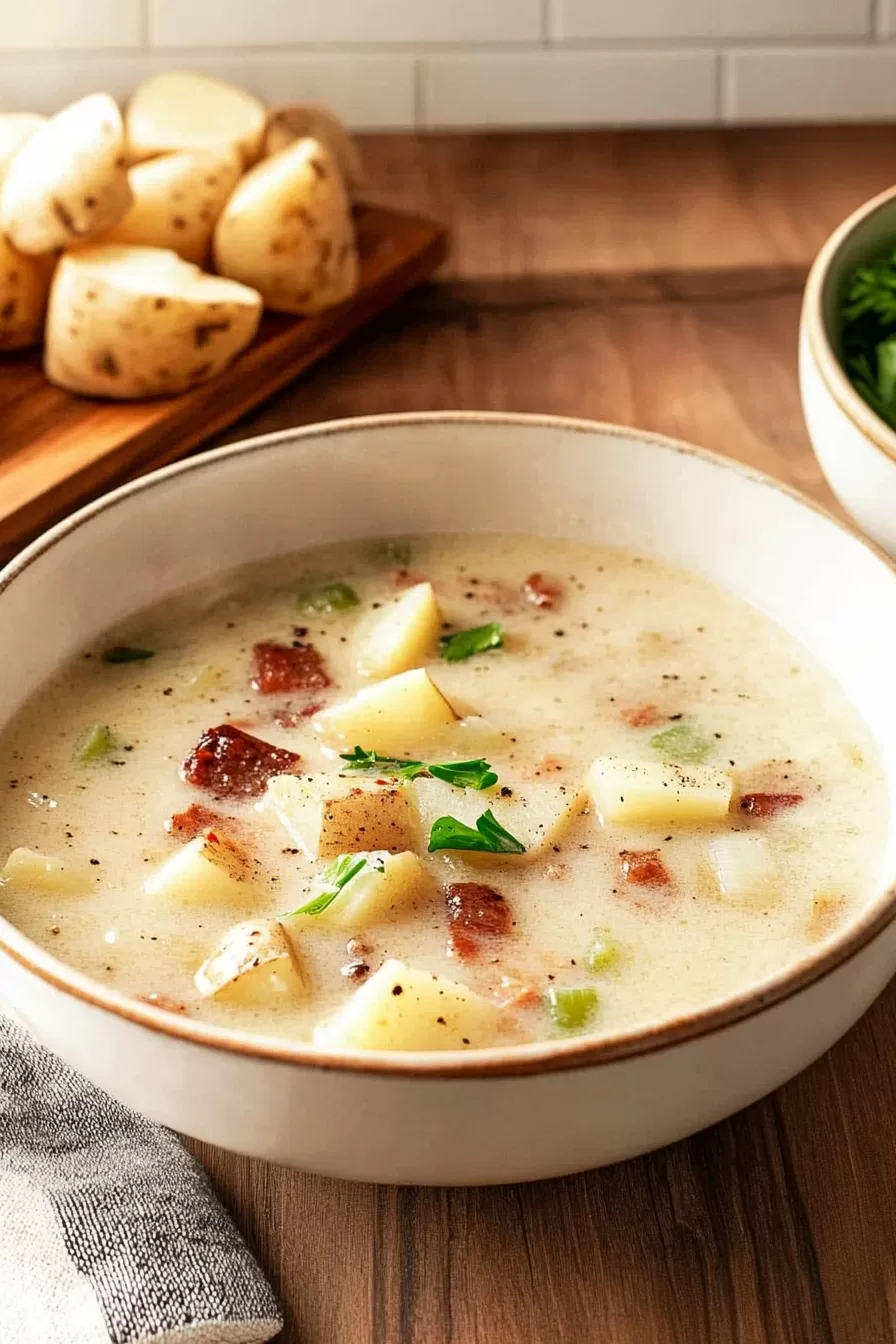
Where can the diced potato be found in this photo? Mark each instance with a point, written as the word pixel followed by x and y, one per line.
pixel 296 121
pixel 287 231
pixel 209 869
pixel 27 869
pixel 176 200
pixel 129 322
pixel 328 816
pixel 404 633
pixel 398 715
pixel 744 867
pixel 653 793
pixel 24 287
pixel 537 814
pixel 389 883
pixel 15 129
pixel 180 110
pixel 403 1009
pixel 253 965
pixel 68 182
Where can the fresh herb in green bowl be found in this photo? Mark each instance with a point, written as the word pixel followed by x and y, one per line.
pixel 868 334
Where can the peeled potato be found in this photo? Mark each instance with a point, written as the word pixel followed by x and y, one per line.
pixel 68 182
pixel 386 886
pixel 29 870
pixel 654 793
pixel 131 322
pixel 404 1009
pixel 293 121
pixel 209 869
pixel 398 715
pixel 403 635
pixel 177 199
pixel 536 814
pixel 180 110
pixel 24 286
pixel 287 231
pixel 15 129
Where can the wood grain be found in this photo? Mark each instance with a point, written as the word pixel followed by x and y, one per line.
pixel 652 279
pixel 58 450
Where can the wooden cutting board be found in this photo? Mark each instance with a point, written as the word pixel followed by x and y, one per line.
pixel 57 450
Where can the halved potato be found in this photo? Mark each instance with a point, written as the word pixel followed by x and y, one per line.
pixel 403 635
pixel 68 182
pixel 27 869
pixel 15 129
pixel 287 231
pixel 176 200
pixel 327 817
pixel 744 868
pixel 387 883
pixel 537 814
pixel 209 869
pixel 294 121
pixel 129 322
pixel 394 716
pixel 654 793
pixel 182 110
pixel 24 288
pixel 403 1009
pixel 253 965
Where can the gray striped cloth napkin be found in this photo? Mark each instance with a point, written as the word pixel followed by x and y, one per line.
pixel 109 1231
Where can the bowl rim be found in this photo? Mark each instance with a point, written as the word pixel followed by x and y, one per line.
pixel 831 371
pixel 494 1062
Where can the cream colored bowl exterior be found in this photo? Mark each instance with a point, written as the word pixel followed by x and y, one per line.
pixel 495 1115
pixel 856 450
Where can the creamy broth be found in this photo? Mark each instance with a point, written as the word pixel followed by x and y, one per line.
pixel 624 650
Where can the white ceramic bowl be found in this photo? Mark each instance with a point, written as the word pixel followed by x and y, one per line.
pixel 501 1114
pixel 856 449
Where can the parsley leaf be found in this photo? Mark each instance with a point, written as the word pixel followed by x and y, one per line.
pixel 868 334
pixel 476 774
pixel 332 881
pixel 462 645
pixel 489 837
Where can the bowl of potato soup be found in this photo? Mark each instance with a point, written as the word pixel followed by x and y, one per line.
pixel 449 798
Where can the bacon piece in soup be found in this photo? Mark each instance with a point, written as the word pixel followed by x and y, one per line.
pixel 644 868
pixel 644 716
pixel 475 912
pixel 541 591
pixel 194 820
pixel 769 804
pixel 232 764
pixel 288 667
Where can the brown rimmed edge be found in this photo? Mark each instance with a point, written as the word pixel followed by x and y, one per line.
pixel 583 1052
pixel 833 375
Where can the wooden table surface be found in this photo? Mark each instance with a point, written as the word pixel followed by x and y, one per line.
pixel 653 279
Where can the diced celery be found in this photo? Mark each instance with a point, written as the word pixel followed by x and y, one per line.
pixel 682 744
pixel 603 953
pixel 95 743
pixel 328 598
pixel 572 1009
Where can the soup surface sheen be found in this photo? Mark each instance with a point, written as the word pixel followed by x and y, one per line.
pixel 605 654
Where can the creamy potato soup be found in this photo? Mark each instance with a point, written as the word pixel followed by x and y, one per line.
pixel 443 792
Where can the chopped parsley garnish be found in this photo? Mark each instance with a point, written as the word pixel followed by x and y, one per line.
pixel 327 598
pixel 488 837
pixel 681 744
pixel 126 653
pixel 94 743
pixel 335 878
pixel 462 645
pixel 462 774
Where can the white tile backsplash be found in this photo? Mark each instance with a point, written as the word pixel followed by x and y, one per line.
pixel 647 20
pixel 821 84
pixel 455 63
pixel 189 23
pixel 569 88
pixel 35 25
pixel 369 92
